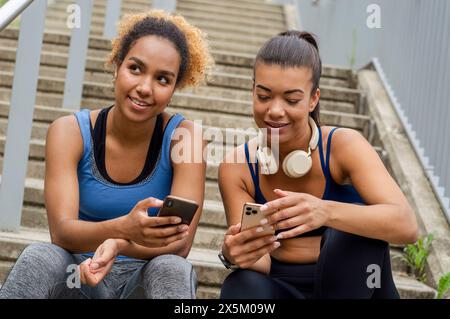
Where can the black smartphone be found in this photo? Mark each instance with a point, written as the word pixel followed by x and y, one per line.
pixel 178 206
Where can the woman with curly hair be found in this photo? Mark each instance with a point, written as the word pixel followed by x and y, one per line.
pixel 108 170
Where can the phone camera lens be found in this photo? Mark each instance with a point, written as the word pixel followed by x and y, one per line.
pixel 254 212
pixel 247 213
pixel 248 208
pixel 169 203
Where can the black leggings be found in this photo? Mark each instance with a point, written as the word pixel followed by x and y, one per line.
pixel 340 272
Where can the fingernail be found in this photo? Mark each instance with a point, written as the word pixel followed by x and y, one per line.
pixel 263 208
pixel 94 266
pixel 176 220
pixel 276 244
pixel 183 228
pixel 159 202
pixel 185 234
pixel 277 190
pixel 280 236
pixel 259 229
pixel 263 221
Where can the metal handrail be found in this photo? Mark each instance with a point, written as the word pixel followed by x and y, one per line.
pixel 11 10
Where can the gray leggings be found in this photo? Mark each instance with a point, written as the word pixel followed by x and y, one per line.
pixel 40 272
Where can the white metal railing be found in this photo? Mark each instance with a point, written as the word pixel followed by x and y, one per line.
pixel 11 10
pixel 21 109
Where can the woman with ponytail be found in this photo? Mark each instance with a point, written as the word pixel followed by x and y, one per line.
pixel 329 199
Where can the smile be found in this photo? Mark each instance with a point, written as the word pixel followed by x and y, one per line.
pixel 276 125
pixel 138 102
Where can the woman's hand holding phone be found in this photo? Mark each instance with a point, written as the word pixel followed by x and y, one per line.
pixel 244 247
pixel 152 231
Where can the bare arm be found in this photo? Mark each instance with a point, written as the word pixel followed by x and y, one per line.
pixel 387 215
pixel 188 182
pixel 239 248
pixel 64 148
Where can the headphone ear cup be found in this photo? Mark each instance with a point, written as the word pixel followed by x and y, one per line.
pixel 297 164
pixel 267 161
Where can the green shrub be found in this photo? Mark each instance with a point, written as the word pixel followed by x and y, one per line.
pixel 444 285
pixel 415 256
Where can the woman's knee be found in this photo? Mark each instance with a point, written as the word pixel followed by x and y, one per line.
pixel 346 244
pixel 244 283
pixel 169 265
pixel 169 277
pixel 345 264
pixel 39 267
pixel 46 256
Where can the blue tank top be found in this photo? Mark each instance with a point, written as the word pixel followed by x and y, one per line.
pixel 333 191
pixel 101 199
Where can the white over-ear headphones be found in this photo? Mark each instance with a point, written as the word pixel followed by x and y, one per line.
pixel 296 164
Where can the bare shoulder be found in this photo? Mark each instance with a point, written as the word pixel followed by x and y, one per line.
pixel 234 168
pixel 64 134
pixel 185 123
pixel 348 141
pixel 345 135
pixel 188 124
pixel 194 130
pixel 350 150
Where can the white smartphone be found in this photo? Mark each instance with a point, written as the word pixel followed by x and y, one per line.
pixel 251 217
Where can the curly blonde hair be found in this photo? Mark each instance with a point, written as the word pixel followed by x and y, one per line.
pixel 192 46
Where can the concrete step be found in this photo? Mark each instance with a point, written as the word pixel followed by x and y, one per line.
pixel 224 42
pixel 57 19
pixel 36 151
pixel 212 99
pixel 194 16
pixel 218 36
pixel 5 267
pixel 127 6
pixel 103 90
pixel 225 57
pixel 237 14
pixel 241 78
pixel 331 101
pixel 241 126
pixel 250 10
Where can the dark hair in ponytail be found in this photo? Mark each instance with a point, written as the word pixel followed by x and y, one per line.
pixel 294 49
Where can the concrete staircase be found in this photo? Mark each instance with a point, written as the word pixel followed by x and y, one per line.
pixel 236 29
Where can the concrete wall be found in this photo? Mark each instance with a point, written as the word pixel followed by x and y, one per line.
pixel 412 45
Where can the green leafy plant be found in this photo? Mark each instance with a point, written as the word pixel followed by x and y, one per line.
pixel 415 256
pixel 444 285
